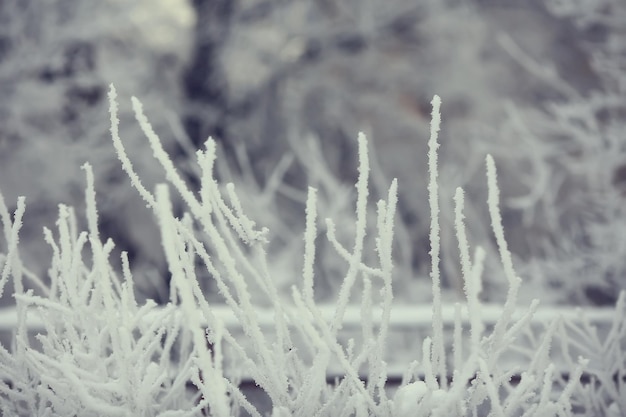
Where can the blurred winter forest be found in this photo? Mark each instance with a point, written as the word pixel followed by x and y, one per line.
pixel 285 85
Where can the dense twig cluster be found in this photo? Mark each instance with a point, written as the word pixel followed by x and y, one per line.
pixel 104 355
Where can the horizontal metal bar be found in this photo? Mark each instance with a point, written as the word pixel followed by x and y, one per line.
pixel 405 319
pixel 402 316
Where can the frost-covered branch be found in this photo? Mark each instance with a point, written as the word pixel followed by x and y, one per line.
pixel 101 353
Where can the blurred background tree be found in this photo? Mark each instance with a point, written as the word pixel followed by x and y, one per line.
pixel 285 85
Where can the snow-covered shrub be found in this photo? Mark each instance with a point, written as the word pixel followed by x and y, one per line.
pixel 103 354
pixel 605 394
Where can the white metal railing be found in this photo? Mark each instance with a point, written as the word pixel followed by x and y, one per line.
pixel 402 316
pixel 414 322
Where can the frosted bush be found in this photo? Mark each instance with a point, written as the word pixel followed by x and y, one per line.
pixel 103 354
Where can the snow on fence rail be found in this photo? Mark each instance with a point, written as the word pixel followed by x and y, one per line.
pixel 410 325
pixel 402 316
